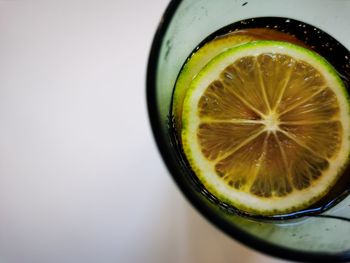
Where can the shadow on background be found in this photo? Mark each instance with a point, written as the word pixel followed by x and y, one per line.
pixel 184 236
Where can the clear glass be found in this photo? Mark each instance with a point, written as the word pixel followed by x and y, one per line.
pixel 184 25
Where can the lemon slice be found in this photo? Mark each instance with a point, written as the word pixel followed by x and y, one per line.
pixel 266 127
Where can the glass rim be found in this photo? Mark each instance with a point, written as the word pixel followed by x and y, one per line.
pixel 231 230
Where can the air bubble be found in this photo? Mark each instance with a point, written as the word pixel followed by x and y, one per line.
pixel 228 76
pixel 288 20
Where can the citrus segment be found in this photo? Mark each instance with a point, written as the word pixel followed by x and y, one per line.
pixel 304 82
pixel 266 127
pixel 321 106
pixel 272 180
pixel 275 69
pixel 322 138
pixel 218 139
pixel 241 167
pixel 303 164
pixel 243 76
pixel 218 102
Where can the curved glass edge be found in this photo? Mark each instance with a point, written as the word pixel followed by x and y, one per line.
pixel 155 122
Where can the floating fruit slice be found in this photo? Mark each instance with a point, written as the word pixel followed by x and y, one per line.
pixel 266 127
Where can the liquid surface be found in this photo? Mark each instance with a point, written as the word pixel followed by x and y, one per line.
pixel 303 35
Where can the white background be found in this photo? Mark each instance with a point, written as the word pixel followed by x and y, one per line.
pixel 81 179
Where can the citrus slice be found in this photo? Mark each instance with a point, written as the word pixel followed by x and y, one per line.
pixel 266 127
pixel 211 49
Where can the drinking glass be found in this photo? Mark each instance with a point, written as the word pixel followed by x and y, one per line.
pixel 318 236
